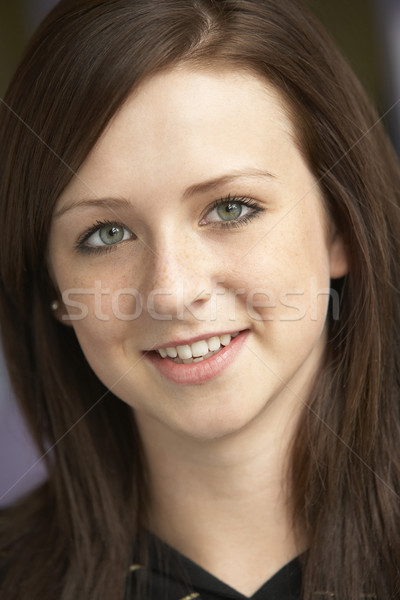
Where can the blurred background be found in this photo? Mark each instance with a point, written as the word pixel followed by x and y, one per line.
pixel 367 32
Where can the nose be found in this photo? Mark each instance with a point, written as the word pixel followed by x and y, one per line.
pixel 180 277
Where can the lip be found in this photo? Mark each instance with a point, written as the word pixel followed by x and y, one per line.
pixel 204 336
pixel 197 373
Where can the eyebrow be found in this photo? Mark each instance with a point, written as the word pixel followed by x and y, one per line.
pixel 90 202
pixel 197 188
pixel 207 186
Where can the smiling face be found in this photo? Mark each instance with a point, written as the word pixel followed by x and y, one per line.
pixel 195 216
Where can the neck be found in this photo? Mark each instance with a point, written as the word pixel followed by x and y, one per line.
pixel 225 503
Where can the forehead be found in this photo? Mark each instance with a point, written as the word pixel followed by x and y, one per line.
pixel 182 117
pixel 192 94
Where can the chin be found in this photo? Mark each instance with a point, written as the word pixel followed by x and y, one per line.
pixel 212 427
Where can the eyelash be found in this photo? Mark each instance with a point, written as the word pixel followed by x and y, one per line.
pixel 80 244
pixel 234 224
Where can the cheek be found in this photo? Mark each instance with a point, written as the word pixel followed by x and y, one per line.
pixel 100 303
pixel 288 276
pixel 102 339
pixel 103 303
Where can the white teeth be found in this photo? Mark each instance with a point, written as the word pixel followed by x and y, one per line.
pixel 184 352
pixel 225 339
pixel 214 343
pixel 199 348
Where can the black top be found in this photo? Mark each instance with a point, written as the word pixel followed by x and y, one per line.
pixel 169 575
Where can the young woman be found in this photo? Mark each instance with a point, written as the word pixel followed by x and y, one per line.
pixel 200 307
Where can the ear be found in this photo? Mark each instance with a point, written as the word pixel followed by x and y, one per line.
pixel 338 256
pixel 57 306
pixel 59 312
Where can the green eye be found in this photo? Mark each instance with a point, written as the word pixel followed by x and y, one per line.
pixel 111 234
pixel 232 212
pixel 104 234
pixel 229 210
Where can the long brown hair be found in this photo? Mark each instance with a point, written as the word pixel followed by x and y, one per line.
pixel 73 537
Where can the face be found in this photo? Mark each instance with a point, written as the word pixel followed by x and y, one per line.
pixel 196 218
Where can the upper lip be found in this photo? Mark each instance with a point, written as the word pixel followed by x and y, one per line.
pixel 188 342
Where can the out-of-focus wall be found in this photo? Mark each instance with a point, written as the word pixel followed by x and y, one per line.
pixel 18 19
pixel 12 38
pixel 36 10
pixel 387 17
pixel 352 25
pixel 368 33
pixel 19 469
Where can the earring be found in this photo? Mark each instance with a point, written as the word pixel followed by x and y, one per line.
pixel 54 305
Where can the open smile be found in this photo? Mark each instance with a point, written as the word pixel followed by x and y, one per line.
pixel 198 351
pixel 199 361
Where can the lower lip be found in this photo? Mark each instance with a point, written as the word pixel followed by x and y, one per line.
pixel 201 371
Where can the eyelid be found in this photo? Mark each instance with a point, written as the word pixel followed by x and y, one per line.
pixel 80 243
pixel 244 200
